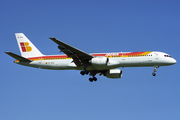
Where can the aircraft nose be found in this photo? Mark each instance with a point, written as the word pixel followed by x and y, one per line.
pixel 173 61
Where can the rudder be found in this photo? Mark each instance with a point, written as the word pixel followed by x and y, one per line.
pixel 26 48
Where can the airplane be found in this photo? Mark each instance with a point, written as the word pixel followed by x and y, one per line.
pixel 106 64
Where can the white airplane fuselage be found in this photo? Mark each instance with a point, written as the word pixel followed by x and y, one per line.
pixel 62 62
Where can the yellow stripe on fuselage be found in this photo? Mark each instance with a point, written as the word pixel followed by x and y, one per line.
pixel 131 54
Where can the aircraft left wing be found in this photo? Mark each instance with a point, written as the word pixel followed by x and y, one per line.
pixel 79 57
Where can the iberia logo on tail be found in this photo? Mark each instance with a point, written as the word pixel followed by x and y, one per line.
pixel 25 47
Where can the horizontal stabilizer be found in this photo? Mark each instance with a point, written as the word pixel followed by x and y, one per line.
pixel 17 57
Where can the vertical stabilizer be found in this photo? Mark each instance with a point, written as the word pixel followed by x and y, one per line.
pixel 27 49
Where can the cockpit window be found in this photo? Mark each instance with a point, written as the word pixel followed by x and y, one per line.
pixel 167 56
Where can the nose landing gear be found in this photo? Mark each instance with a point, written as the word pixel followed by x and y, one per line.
pixel 155 70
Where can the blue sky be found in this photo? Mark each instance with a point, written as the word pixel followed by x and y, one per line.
pixel 92 26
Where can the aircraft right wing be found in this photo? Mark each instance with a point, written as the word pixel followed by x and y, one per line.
pixel 79 57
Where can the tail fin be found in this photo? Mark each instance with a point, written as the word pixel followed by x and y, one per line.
pixel 27 49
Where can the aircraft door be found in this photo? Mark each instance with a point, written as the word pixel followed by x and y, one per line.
pixel 156 56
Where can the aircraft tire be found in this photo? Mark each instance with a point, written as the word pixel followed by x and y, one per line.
pixel 91 79
pixel 82 72
pixel 94 78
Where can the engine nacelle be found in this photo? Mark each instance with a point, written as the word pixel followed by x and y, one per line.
pixel 99 61
pixel 114 73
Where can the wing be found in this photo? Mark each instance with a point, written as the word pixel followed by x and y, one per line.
pixel 79 57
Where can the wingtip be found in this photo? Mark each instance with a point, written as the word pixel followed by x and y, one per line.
pixel 52 38
pixel 7 52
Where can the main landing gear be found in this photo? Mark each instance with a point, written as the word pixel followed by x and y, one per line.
pixel 92 79
pixel 85 72
pixel 155 70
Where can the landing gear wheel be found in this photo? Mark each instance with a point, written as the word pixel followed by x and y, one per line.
pixel 94 78
pixel 154 74
pixel 82 72
pixel 90 79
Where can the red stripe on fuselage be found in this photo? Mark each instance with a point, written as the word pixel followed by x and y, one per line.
pixel 100 54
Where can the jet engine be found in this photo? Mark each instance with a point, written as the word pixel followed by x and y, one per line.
pixel 99 61
pixel 113 73
pixel 103 62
